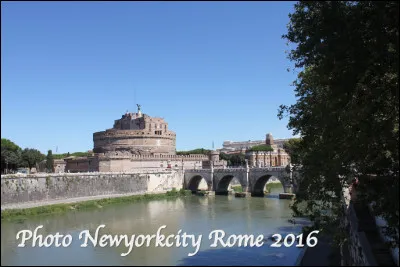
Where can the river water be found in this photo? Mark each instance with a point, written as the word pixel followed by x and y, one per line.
pixel 194 215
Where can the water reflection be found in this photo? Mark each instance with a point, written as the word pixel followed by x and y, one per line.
pixel 193 215
pixel 263 256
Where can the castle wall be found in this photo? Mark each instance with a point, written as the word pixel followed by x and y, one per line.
pixel 114 164
pixel 44 187
pixel 82 164
pixel 145 141
pixel 137 133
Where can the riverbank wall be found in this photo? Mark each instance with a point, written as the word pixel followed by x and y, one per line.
pixel 22 188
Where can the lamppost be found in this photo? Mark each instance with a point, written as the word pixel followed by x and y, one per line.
pixel 6 166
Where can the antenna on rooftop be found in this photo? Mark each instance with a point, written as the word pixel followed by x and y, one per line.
pixel 213 145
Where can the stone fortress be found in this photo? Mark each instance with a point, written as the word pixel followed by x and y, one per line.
pixel 138 141
pixel 138 134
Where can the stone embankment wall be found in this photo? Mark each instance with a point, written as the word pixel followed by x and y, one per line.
pixel 43 187
pixel 356 251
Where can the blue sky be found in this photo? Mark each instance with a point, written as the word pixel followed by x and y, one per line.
pixel 214 70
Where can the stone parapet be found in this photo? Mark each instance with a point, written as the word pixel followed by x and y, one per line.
pixel 44 175
pixel 47 187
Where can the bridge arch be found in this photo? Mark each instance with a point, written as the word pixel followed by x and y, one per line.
pixel 195 181
pixel 260 182
pixel 222 185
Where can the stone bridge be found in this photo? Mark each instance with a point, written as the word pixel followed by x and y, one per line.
pixel 252 180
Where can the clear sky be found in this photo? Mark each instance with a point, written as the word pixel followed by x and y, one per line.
pixel 214 71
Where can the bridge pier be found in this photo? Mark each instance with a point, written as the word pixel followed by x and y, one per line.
pixel 246 189
pixel 257 194
pixel 288 189
pixel 210 187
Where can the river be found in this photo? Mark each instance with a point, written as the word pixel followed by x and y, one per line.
pixel 194 215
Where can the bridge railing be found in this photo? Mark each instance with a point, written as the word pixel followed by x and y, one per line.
pixel 269 168
pixel 230 170
pixel 280 168
pixel 197 170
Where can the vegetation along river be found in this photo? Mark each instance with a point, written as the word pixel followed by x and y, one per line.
pixel 194 215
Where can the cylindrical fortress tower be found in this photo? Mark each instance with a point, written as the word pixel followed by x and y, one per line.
pixel 137 133
pixel 214 155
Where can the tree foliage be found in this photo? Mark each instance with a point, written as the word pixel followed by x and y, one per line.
pixel 261 148
pixel 9 145
pixel 293 147
pixel 347 109
pixel 31 156
pixel 194 151
pixel 10 155
pixel 50 161
pixel 233 159
pixel 74 154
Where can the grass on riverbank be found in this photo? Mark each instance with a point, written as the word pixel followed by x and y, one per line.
pixel 273 187
pixel 237 188
pixel 22 214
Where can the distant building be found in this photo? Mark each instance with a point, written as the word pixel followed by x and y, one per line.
pixel 230 147
pixel 59 166
pixel 277 157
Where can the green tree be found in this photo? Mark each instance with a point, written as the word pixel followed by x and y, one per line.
pixel 194 151
pixel 50 161
pixel 266 148
pixel 10 155
pixel 237 159
pixel 227 157
pixel 233 159
pixel 347 109
pixel 9 145
pixel 294 149
pixel 31 156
